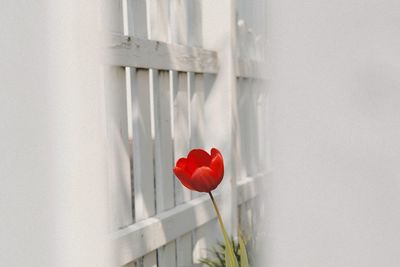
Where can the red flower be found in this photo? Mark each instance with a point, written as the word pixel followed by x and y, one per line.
pixel 200 171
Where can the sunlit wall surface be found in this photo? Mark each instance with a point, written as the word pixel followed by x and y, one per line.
pixel 333 198
pixel 52 175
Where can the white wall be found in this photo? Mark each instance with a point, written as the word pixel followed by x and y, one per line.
pixel 52 174
pixel 334 197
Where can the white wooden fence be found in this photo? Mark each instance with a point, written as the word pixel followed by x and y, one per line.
pixel 180 74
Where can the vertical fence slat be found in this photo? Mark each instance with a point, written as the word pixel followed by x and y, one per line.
pixel 184 250
pixel 143 141
pixel 150 260
pixel 142 145
pixel 196 86
pixel 195 26
pixel 143 150
pixel 166 255
pixel 137 18
pixel 179 35
pixel 181 129
pixel 119 163
pixel 164 156
pixel 141 115
pixel 252 124
pixel 241 104
pixel 159 30
pixel 205 238
pixel 163 142
pixel 181 147
pixel 117 132
pixel 243 123
pixel 159 20
pixel 179 21
pixel 258 99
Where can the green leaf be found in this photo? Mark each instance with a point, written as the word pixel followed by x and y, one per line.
pixel 244 261
pixel 210 263
pixel 230 258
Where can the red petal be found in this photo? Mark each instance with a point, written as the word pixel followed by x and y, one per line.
pixel 181 163
pixel 204 179
pixel 197 158
pixel 184 177
pixel 215 152
pixel 217 164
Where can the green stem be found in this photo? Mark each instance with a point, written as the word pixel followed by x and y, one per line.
pixel 228 243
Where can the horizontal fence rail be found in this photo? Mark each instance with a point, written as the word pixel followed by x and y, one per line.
pixel 248 68
pixel 147 235
pixel 130 51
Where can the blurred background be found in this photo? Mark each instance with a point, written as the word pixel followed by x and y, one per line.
pixel 333 198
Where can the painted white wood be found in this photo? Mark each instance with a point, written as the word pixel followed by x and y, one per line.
pixel 239 104
pixel 261 135
pixel 142 149
pixel 197 124
pixel 249 68
pixel 249 187
pixel 142 145
pixel 131 264
pixel 147 235
pixel 196 80
pixel 118 147
pixel 244 221
pixel 165 188
pixel 184 250
pixel 266 124
pixel 118 162
pixel 143 156
pixel 241 30
pixel 167 255
pixel 150 259
pixel 205 237
pixel 165 199
pixel 219 24
pixel 137 18
pixel 251 44
pixel 158 11
pixel 249 126
pixel 195 26
pixel 112 16
pixel 163 141
pixel 197 113
pixel 179 21
pixel 152 233
pixel 132 51
pixel 181 128
pixel 179 24
pixel 159 31
pixel 176 45
pixel 244 96
pixel 253 126
pixel 181 89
